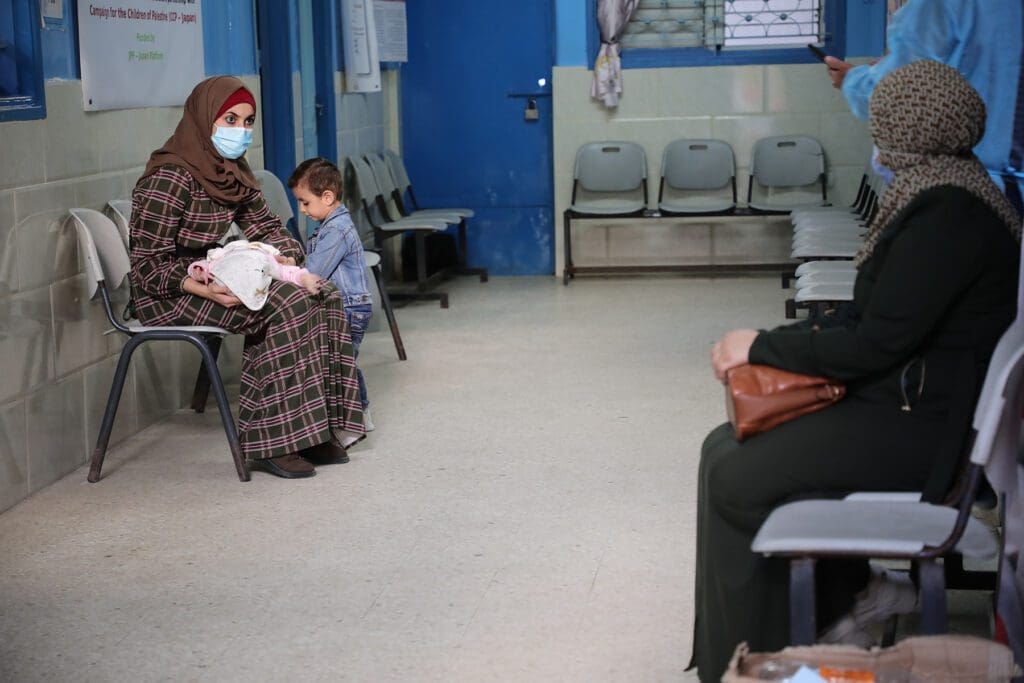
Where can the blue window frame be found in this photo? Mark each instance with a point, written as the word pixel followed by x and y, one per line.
pixel 641 58
pixel 21 62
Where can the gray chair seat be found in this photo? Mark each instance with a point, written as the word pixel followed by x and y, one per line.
pixel 135 327
pixel 608 206
pixel 823 266
pixel 817 250
pixel 870 528
pixel 825 292
pixel 696 206
pixel 827 277
pixel 782 207
pixel 460 212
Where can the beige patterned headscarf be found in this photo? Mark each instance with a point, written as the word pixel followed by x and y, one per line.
pixel 925 119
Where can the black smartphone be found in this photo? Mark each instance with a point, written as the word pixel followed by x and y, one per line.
pixel 817 51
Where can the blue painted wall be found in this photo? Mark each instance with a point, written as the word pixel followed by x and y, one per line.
pixel 865 30
pixel 229 40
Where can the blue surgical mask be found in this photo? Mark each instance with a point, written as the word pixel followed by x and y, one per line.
pixel 884 172
pixel 231 142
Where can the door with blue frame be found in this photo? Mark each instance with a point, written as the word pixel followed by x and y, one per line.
pixel 476 124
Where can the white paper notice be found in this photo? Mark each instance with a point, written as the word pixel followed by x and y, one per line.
pixel 392 41
pixel 362 66
pixel 140 53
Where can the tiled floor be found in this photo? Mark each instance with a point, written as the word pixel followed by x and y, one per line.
pixel 524 511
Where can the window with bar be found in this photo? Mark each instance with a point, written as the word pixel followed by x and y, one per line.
pixel 724 23
pixel 21 64
pixel 669 32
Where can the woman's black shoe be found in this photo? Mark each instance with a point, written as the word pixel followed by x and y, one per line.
pixel 289 466
pixel 326 453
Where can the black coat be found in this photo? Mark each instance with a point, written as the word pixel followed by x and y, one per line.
pixel 929 306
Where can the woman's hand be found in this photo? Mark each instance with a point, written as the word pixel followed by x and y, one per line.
pixel 222 295
pixel 730 351
pixel 215 293
pixel 837 69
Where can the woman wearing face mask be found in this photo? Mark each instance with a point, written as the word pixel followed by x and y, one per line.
pixel 299 401
pixel 935 289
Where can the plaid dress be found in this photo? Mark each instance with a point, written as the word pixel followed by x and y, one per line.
pixel 298 372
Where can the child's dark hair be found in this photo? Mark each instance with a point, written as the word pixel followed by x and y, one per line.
pixel 319 175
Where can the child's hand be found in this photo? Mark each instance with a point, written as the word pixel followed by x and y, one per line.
pixel 285 260
pixel 312 283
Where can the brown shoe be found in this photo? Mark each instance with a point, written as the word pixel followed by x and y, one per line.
pixel 326 453
pixel 289 466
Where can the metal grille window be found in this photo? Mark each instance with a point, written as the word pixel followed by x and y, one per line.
pixel 725 23
pixel 21 64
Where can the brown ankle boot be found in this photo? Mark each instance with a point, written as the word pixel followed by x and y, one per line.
pixel 327 453
pixel 288 466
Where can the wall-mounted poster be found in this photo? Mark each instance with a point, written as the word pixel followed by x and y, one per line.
pixel 392 39
pixel 140 53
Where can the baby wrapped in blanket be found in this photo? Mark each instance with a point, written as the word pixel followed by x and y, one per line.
pixel 246 268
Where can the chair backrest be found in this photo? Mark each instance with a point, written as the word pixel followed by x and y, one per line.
pixel 385 182
pixel 120 211
pixel 381 173
pixel 398 171
pixel 102 250
pixel 366 187
pixel 610 167
pixel 997 416
pixel 698 164
pixel 276 195
pixel 787 161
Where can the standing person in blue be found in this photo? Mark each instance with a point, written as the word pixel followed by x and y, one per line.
pixel 334 250
pixel 982 39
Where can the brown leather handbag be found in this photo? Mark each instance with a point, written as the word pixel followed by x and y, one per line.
pixel 759 397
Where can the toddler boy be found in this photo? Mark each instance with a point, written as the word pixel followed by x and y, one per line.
pixel 334 250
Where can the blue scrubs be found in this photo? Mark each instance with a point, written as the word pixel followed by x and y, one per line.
pixel 981 39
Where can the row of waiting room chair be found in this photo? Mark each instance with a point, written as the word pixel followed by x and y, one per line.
pixel 698 178
pixel 384 198
pixel 825 241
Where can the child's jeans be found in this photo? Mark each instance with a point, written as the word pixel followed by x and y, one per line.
pixel 358 318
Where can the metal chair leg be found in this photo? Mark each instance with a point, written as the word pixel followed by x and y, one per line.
pixel 202 389
pixel 226 417
pixel 107 425
pixel 802 626
pixel 566 248
pixel 932 577
pixel 385 303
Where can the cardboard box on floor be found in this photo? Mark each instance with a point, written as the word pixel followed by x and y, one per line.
pixel 931 659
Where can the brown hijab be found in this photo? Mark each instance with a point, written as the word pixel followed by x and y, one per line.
pixel 925 119
pixel 228 181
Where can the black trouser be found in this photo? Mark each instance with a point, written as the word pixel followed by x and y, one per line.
pixel 742 596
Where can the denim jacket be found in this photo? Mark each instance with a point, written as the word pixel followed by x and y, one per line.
pixel 335 252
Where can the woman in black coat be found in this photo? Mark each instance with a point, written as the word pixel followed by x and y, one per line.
pixel 936 286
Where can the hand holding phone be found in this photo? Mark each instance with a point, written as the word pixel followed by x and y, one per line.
pixel 817 51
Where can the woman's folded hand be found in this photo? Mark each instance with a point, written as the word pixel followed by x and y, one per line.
pixel 731 350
